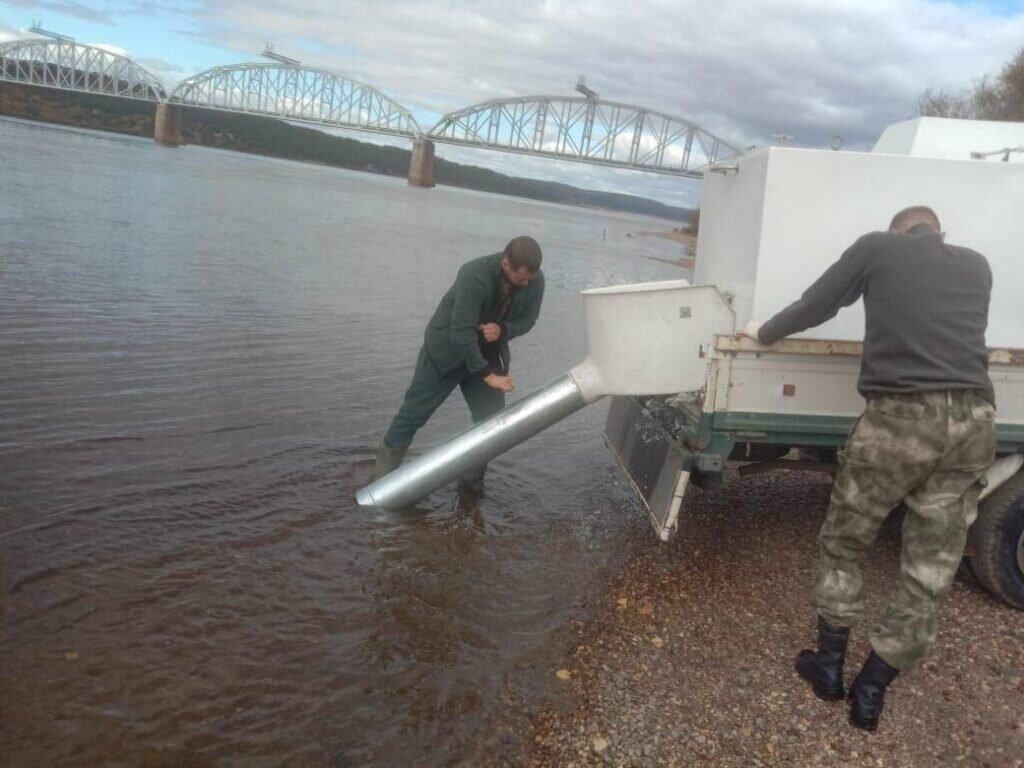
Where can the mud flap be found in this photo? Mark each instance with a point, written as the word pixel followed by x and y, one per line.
pixel 650 461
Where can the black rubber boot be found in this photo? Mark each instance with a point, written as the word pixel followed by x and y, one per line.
pixel 867 694
pixel 388 459
pixel 823 668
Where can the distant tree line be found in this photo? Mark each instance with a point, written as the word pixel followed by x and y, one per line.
pixel 989 98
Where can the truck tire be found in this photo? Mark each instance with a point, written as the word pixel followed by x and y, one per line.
pixel 998 538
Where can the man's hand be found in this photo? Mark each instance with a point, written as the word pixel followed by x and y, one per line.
pixel 504 383
pixel 750 329
pixel 491 331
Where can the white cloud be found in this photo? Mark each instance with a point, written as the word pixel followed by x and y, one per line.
pixel 10 33
pixel 68 8
pixel 742 70
pixel 168 73
pixel 811 68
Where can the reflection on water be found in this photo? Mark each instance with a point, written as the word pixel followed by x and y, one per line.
pixel 200 350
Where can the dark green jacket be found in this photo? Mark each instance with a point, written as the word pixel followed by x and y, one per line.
pixel 452 338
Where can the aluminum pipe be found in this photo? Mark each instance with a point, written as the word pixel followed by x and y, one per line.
pixel 475 447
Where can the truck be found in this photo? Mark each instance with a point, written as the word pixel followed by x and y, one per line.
pixel 771 221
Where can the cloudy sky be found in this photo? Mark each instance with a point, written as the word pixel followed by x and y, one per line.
pixel 744 71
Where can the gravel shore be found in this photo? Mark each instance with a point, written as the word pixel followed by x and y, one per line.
pixel 688 659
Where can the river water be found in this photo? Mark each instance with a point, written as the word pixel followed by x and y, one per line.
pixel 198 353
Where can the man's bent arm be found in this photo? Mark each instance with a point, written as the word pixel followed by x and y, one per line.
pixel 522 325
pixel 840 286
pixel 470 295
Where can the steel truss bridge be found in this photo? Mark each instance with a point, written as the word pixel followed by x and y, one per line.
pixel 296 93
pixel 583 129
pixel 70 66
pixel 586 130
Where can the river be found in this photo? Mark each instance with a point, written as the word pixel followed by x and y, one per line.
pixel 199 351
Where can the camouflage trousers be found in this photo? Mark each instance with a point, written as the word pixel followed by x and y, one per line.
pixel 929 451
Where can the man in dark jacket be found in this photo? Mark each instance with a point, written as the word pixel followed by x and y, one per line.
pixel 494 299
pixel 926 438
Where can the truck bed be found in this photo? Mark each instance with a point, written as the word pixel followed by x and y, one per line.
pixel 757 404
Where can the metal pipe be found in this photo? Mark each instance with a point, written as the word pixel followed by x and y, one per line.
pixel 475 447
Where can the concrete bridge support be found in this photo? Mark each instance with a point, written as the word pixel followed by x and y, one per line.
pixel 421 166
pixel 167 130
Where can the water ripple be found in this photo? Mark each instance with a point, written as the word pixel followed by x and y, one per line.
pixel 201 350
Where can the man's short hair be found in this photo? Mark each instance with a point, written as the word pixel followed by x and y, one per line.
pixel 912 216
pixel 523 251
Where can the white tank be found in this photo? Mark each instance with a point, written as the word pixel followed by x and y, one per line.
pixel 775 219
pixel 941 137
pixel 649 338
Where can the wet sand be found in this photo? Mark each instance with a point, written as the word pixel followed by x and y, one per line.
pixel 672 234
pixel 688 660
pixel 689 241
pixel 686 263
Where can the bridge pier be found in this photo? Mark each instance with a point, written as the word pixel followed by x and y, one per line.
pixel 421 165
pixel 167 127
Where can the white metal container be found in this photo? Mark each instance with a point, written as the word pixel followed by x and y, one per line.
pixel 953 139
pixel 650 338
pixel 772 226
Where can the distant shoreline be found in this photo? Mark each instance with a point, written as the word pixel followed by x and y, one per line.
pixel 272 137
pixel 688 262
pixel 677 236
pixel 673 234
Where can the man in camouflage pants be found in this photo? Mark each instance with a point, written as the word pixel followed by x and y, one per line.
pixel 925 439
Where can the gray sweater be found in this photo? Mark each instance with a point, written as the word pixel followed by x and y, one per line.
pixel 925 306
